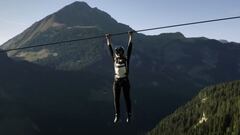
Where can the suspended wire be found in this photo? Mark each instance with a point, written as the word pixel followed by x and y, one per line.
pixel 120 33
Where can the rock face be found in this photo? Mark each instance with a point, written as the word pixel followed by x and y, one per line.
pixel 215 110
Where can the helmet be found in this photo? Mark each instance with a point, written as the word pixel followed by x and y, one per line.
pixel 119 50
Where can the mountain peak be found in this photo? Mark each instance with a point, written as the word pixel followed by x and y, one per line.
pixel 77 13
pixel 77 5
pixel 176 35
pixel 81 14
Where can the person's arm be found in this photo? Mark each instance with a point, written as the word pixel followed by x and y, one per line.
pixel 129 50
pixel 109 43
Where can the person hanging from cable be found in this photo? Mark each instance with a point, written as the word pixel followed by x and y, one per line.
pixel 121 81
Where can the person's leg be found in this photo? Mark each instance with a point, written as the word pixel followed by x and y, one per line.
pixel 126 92
pixel 116 94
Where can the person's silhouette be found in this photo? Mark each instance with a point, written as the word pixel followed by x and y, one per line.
pixel 121 81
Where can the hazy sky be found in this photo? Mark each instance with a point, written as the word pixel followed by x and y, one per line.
pixel 17 15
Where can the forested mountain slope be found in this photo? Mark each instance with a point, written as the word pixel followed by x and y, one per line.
pixel 214 111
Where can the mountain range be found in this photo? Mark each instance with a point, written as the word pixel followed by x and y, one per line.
pixel 67 88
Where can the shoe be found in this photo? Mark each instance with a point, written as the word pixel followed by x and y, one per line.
pixel 116 118
pixel 128 120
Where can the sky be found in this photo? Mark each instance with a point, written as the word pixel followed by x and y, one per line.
pixel 17 15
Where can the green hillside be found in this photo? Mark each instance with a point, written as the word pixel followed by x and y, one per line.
pixel 214 111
